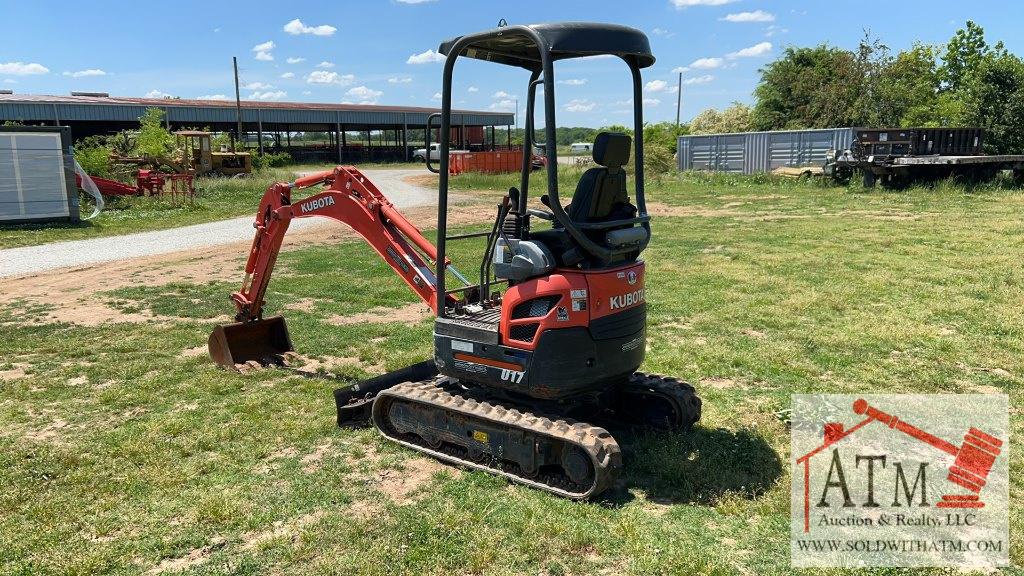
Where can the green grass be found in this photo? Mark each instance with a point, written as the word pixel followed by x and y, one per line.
pixel 117 452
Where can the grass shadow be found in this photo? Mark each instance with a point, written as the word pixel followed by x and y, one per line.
pixel 700 466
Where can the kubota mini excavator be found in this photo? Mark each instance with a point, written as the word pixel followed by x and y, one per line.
pixel 544 347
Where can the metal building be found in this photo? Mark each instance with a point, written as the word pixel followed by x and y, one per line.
pixel 355 132
pixel 37 178
pixel 751 152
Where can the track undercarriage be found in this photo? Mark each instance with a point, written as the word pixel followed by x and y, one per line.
pixel 517 439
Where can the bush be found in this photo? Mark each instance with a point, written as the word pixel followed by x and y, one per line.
pixel 658 159
pixel 271 160
pixel 93 154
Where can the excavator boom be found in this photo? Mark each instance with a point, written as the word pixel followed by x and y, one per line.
pixel 349 197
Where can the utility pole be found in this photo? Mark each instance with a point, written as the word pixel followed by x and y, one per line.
pixel 679 99
pixel 238 102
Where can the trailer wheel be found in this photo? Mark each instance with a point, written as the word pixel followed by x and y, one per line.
pixel 869 179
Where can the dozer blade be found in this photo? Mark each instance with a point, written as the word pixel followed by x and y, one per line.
pixel 265 341
pixel 355 402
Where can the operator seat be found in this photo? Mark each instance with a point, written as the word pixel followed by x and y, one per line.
pixel 600 196
pixel 601 192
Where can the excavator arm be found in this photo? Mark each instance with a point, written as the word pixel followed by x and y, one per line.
pixel 349 197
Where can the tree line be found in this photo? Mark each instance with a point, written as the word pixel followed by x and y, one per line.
pixel 966 82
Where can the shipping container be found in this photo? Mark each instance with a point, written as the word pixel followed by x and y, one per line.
pixel 752 152
pixel 37 175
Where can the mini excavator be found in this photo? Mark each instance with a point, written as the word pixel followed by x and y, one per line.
pixel 543 348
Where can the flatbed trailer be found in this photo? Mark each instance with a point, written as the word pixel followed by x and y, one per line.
pixel 899 157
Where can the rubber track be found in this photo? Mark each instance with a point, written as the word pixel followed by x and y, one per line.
pixel 604 451
pixel 681 394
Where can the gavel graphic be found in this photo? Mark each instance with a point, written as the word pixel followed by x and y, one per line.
pixel 974 459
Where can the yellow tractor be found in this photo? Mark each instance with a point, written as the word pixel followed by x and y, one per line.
pixel 201 157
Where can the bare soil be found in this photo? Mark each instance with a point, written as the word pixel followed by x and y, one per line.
pixel 69 295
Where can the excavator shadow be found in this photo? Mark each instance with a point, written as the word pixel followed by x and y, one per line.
pixel 700 466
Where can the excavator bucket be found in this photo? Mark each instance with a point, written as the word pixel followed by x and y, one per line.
pixel 264 341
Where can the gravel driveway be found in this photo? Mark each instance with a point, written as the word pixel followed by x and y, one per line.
pixel 32 259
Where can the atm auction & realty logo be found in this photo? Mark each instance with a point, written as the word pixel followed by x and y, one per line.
pixel 900 480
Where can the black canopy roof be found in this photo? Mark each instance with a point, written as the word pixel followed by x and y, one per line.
pixel 514 46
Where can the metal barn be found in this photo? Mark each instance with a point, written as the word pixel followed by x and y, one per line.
pixel 751 152
pixel 37 175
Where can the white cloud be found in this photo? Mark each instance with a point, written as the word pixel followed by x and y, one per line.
pixel 295 60
pixel 365 94
pixel 288 75
pixel 772 30
pixel 436 96
pixel 680 4
pixel 755 16
pixel 22 69
pixel 306 92
pixel 751 51
pixel 656 86
pixel 505 105
pixel 659 32
pixel 257 86
pixel 425 58
pixel 212 97
pixel 651 101
pixel 84 73
pixel 324 77
pixel 263 50
pixel 573 81
pixel 472 89
pixel 501 94
pixel 699 80
pixel 296 27
pixel 706 63
pixel 580 105
pixel 325 64
pixel 158 94
pixel 399 80
pixel 277 95
pixel 10 81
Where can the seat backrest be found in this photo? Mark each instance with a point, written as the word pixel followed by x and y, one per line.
pixel 601 189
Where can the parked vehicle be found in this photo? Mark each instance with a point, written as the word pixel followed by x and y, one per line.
pixel 420 154
pixel 580 148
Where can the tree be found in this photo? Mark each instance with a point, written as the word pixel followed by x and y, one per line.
pixel 736 118
pixel 964 54
pixel 808 88
pixel 154 141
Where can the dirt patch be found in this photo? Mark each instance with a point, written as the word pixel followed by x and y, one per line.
pixel 49 433
pixel 194 352
pixel 302 305
pixel 328 364
pixel 280 529
pixel 311 462
pixel 191 560
pixel 363 510
pixel 720 383
pixel 408 315
pixel 660 209
pixel 11 374
pixel 754 333
pixel 78 380
pixel 69 294
pixel 399 485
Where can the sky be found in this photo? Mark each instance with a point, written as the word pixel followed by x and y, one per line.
pixel 383 51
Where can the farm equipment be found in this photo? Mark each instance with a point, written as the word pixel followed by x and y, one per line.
pixel 537 354
pixel 201 158
pixel 147 182
pixel 896 157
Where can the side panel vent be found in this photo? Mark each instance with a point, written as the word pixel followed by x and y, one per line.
pixel 524 332
pixel 535 308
